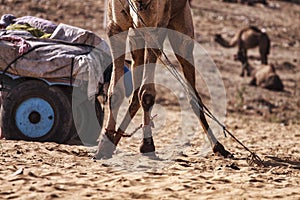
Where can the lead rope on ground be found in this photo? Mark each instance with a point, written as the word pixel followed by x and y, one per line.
pixel 252 158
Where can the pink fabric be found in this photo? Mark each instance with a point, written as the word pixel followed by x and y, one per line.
pixel 23 45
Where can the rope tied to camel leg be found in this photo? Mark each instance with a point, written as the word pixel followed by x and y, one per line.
pixel 123 134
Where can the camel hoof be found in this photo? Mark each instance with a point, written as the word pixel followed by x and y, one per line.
pixel 106 149
pixel 220 150
pixel 147 146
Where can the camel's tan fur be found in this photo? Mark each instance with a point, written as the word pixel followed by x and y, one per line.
pixel 248 38
pixel 175 15
pixel 265 76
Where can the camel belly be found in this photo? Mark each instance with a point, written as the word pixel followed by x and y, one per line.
pixel 153 13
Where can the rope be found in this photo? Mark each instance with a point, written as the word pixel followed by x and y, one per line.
pixel 134 131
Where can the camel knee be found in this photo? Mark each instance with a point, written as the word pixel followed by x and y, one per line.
pixel 147 99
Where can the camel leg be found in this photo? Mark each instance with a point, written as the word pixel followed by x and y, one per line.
pixel 144 94
pixel 184 47
pixel 264 51
pixel 154 40
pixel 147 98
pixel 116 94
pixel 196 104
pixel 119 23
pixel 137 72
pixel 264 58
pixel 242 56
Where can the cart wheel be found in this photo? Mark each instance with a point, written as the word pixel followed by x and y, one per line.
pixel 88 117
pixel 36 112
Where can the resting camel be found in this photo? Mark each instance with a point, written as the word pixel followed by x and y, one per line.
pixel 265 76
pixel 175 15
pixel 248 38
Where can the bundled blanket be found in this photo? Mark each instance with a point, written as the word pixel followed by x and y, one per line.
pixel 70 53
pixel 38 23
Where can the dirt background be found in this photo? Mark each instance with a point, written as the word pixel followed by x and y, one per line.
pixel 267 122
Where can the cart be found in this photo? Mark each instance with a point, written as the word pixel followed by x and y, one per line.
pixel 50 87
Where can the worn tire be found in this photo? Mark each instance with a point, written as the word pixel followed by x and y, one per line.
pixel 34 111
pixel 88 116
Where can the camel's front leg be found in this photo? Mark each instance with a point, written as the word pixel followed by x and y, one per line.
pixel 184 47
pixel 147 95
pixel 107 144
pixel 243 58
pixel 264 49
pixel 119 23
pixel 197 106
pixel 137 67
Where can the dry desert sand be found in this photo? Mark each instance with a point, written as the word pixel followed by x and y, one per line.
pixel 267 122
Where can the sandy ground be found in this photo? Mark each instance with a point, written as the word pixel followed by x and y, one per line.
pixel 267 122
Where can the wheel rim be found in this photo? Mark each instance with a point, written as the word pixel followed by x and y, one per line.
pixel 34 117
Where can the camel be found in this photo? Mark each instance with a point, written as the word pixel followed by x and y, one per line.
pixel 265 76
pixel 122 16
pixel 248 38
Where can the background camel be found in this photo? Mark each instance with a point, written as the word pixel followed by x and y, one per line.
pixel 248 38
pixel 265 76
pixel 123 15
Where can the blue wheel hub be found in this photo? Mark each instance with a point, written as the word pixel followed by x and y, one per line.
pixel 35 117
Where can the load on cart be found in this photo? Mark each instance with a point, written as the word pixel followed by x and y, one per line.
pixel 50 83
